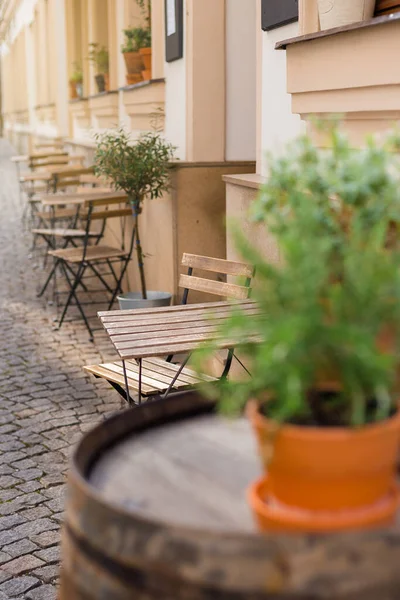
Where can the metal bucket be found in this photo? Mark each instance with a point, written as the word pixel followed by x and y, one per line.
pixel 132 300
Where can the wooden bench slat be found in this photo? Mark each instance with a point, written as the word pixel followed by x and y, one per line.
pixel 168 367
pixel 219 288
pixel 133 375
pixel 217 265
pixel 123 315
pixel 166 333
pixel 111 214
pixel 146 323
pixel 201 318
pixel 104 373
pixel 112 198
pixel 164 375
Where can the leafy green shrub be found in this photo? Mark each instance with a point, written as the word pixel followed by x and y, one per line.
pixel 325 310
pixel 136 38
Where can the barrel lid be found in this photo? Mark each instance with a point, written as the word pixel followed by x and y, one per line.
pixel 187 471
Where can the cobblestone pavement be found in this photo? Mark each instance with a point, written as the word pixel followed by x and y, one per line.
pixel 46 404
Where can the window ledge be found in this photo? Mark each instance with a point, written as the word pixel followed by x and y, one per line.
pixel 376 21
pixel 141 84
pixel 249 180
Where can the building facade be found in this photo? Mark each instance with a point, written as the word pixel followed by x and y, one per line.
pixel 234 93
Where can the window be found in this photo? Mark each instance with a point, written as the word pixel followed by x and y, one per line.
pixel 275 13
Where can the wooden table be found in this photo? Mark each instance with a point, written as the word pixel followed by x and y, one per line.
pixel 157 510
pixel 143 333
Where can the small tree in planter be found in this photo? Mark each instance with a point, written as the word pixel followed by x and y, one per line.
pixel 99 56
pixel 140 168
pixel 323 389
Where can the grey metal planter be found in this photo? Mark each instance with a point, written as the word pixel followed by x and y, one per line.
pixel 132 300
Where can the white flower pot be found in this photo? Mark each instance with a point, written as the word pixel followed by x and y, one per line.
pixel 337 13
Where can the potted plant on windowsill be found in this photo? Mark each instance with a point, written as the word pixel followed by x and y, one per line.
pixel 136 39
pixel 337 13
pixel 145 47
pixel 323 394
pixel 141 169
pixel 99 57
pixel 76 82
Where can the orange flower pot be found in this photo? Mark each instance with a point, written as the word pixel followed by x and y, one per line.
pixel 133 61
pixel 145 53
pixel 327 469
pixel 132 78
pixel 270 515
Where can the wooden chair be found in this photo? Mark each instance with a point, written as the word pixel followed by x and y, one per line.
pixel 153 378
pixel 78 260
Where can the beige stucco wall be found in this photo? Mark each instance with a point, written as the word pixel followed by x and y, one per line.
pixel 241 80
pixel 191 218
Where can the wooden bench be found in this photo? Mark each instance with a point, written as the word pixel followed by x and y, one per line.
pixel 152 376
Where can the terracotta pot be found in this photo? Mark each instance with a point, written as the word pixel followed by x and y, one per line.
pixel 107 82
pixel 101 83
pixel 145 53
pixel 133 61
pixel 146 75
pixel 73 93
pixel 132 78
pixel 337 13
pixel 273 516
pixel 326 468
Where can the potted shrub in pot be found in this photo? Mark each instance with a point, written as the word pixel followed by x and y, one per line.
pixel 337 13
pixel 323 396
pixel 141 169
pixel 137 39
pixel 99 56
pixel 145 46
pixel 76 82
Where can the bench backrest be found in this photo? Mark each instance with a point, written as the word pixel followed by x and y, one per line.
pixel 211 286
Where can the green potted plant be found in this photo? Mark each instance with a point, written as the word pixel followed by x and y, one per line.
pixel 99 57
pixel 136 38
pixel 141 169
pixel 145 47
pixel 76 81
pixel 323 393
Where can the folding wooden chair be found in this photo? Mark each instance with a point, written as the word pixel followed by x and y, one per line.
pixel 78 260
pixel 152 378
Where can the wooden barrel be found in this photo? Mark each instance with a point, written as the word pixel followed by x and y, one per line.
pixel 156 510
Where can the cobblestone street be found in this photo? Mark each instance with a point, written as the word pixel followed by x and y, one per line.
pixel 46 403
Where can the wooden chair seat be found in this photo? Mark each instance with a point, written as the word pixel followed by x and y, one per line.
pixel 93 253
pixel 157 375
pixel 63 232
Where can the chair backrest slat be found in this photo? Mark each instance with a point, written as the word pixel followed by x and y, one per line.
pixel 109 214
pixel 219 288
pixel 71 171
pixel 217 265
pixel 118 198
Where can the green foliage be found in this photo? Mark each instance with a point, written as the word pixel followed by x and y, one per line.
pixel 139 168
pixel 99 56
pixel 324 309
pixel 136 38
pixel 77 75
